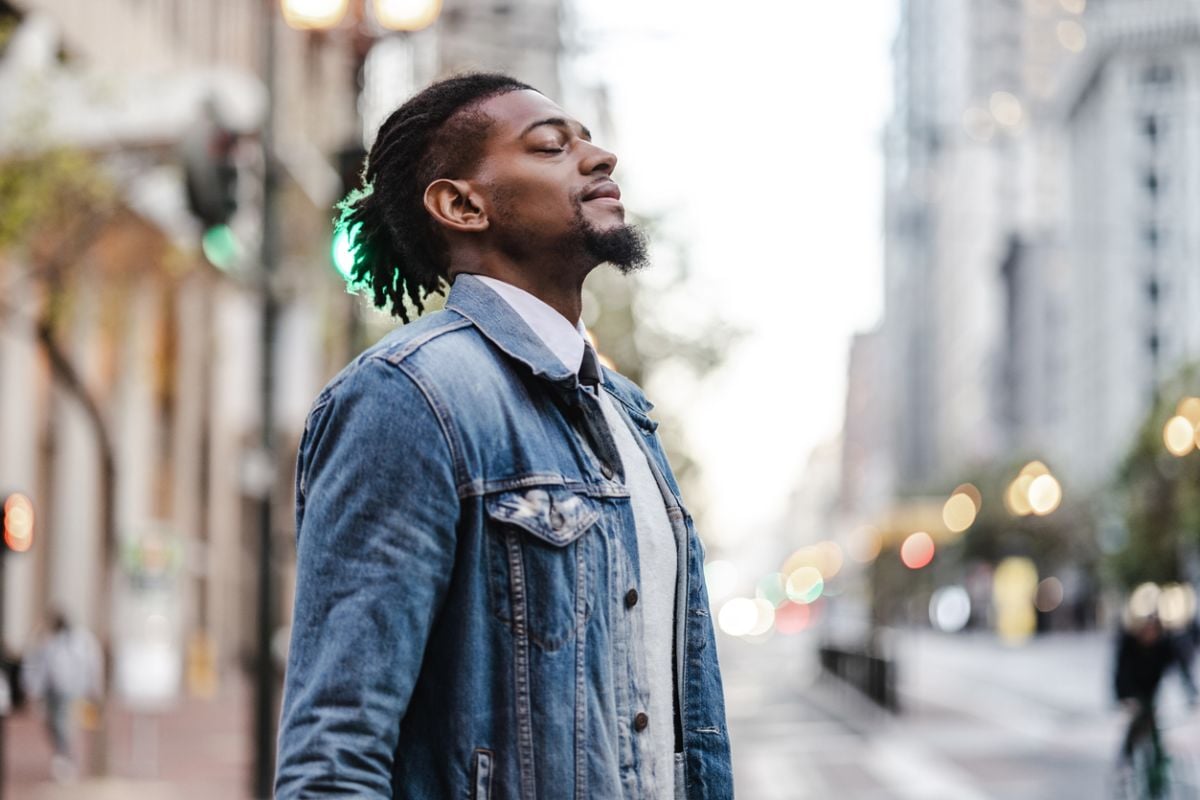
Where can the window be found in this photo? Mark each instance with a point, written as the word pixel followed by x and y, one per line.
pixel 1150 128
pixel 1158 74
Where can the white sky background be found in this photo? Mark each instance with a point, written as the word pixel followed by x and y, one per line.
pixel 757 126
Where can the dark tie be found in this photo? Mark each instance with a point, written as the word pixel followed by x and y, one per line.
pixel 589 369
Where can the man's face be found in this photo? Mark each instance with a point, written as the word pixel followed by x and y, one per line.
pixel 549 188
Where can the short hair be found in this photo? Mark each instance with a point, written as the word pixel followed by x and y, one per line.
pixel 398 250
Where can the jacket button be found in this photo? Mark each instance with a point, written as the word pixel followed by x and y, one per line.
pixel 631 598
pixel 641 721
pixel 606 471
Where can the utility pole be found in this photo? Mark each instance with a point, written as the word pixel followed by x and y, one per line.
pixel 264 673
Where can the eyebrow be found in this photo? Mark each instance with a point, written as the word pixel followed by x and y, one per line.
pixel 558 122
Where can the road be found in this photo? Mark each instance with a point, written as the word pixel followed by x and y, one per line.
pixel 979 720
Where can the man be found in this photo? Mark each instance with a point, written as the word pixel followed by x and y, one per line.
pixel 1144 653
pixel 499 593
pixel 64 668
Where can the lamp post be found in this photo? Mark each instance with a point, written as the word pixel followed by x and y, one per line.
pixel 401 15
pixel 264 673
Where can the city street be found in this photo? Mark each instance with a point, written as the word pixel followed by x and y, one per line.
pixel 979 720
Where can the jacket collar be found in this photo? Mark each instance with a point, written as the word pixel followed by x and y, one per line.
pixel 499 323
pixel 504 327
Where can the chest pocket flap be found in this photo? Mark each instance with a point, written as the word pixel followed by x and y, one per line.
pixel 554 514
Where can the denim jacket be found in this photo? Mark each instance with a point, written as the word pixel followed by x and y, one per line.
pixel 464 623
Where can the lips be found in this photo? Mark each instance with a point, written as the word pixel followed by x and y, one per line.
pixel 603 190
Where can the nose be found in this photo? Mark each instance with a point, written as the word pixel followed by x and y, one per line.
pixel 597 160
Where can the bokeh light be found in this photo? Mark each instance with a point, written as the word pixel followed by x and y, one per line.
pixel 720 577
pixel 805 585
pixel 917 550
pixel 1033 491
pixel 1176 606
pixel 1179 435
pixel 1006 108
pixel 764 617
pixel 1049 595
pixel 830 559
pixel 792 618
pixel 1144 600
pixel 1189 409
pixel 1071 35
pixel 950 609
pixel 1045 495
pixel 313 14
pixel 407 15
pixel 959 512
pixel 771 588
pixel 18 523
pixel 864 545
pixel 1016 498
pixel 738 616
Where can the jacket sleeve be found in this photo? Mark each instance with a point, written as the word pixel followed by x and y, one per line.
pixel 377 510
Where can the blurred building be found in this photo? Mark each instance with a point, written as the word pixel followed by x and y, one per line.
pixel 164 343
pixel 1041 231
pixel 1131 116
pixel 866 478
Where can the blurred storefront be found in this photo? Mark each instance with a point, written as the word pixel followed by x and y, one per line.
pixel 150 402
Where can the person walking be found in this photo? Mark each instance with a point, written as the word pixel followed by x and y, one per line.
pixel 499 591
pixel 63 668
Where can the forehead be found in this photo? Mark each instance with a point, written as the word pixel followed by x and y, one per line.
pixel 513 112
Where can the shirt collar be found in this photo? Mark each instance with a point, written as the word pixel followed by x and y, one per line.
pixel 564 340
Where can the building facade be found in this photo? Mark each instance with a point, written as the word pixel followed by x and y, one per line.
pixel 171 361
pixel 1041 231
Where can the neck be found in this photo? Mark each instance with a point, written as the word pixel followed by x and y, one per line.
pixel 558 287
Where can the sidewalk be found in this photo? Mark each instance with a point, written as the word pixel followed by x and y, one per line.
pixel 198 750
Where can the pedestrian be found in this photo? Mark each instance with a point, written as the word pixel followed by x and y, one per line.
pixel 63 668
pixel 499 592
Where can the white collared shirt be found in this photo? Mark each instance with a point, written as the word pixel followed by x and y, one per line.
pixel 657 553
pixel 556 332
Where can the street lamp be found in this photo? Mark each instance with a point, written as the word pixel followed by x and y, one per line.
pixel 395 15
pixel 315 15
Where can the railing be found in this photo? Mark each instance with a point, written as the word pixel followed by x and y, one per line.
pixel 864 669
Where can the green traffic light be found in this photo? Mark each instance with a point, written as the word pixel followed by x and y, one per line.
pixel 341 250
pixel 221 247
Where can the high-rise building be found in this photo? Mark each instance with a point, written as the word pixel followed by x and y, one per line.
pixel 1042 230
pixel 1131 115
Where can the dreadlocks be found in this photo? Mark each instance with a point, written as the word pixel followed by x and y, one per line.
pixel 398 250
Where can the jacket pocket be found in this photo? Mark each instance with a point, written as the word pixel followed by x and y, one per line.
pixel 481 774
pixel 537 560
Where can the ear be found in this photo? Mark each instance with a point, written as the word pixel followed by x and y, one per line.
pixel 455 204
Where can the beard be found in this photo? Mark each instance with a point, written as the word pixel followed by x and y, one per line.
pixel 623 246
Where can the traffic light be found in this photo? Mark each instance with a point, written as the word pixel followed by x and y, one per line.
pixel 17 520
pixel 210 171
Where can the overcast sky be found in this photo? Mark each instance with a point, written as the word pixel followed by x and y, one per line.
pixel 758 128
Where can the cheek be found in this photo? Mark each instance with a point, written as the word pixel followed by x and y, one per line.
pixel 535 201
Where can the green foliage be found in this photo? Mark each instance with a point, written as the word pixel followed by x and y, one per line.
pixel 47 193
pixel 1161 498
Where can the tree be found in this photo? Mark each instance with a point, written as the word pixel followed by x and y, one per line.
pixel 59 206
pixel 1160 494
